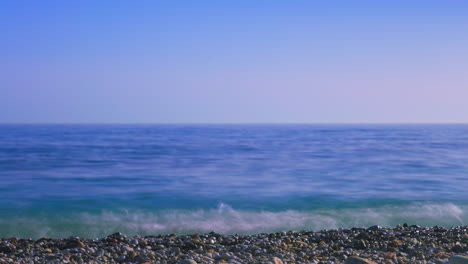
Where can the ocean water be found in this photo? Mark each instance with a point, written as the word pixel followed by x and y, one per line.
pixel 94 180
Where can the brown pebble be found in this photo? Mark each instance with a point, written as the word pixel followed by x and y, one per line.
pixel 277 261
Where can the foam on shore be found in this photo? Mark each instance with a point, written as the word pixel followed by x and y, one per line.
pixel 226 220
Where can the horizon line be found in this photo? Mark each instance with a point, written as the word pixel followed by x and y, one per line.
pixel 233 123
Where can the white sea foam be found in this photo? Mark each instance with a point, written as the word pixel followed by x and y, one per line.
pixel 227 220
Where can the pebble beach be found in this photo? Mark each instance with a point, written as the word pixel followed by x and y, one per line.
pixel 401 244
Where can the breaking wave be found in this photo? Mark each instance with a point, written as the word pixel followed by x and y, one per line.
pixel 227 220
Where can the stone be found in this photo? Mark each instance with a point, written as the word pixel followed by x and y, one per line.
pixel 99 253
pixel 390 255
pixel 207 259
pixel 127 249
pixel 188 261
pixel 118 236
pixel 358 260
pixel 277 261
pixel 374 228
pixel 73 243
pixel 458 259
pixel 457 249
pixel 6 249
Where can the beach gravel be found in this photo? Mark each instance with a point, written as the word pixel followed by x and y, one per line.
pixel 402 244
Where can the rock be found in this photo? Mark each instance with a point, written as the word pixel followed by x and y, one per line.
pixel 457 249
pixel 431 245
pixel 117 236
pixel 99 253
pixel 121 258
pixel 73 243
pixel 277 261
pixel 127 249
pixel 207 259
pixel 360 244
pixel 374 228
pixel 6 249
pixel 358 260
pixel 458 259
pixel 188 261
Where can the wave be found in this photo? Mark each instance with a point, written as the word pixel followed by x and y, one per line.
pixel 227 220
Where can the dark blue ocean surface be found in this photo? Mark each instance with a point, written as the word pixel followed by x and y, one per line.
pixel 93 180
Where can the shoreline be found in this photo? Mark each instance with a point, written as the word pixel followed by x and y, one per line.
pixel 401 244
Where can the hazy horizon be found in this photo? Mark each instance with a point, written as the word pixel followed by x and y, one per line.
pixel 226 123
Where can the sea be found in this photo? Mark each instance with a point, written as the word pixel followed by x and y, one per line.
pixel 92 180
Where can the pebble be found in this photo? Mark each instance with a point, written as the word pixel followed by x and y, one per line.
pixel 277 261
pixel 188 261
pixel 376 244
pixel 127 248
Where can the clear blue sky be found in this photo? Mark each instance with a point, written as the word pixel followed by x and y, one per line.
pixel 233 61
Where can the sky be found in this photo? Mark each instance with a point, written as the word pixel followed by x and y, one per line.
pixel 225 61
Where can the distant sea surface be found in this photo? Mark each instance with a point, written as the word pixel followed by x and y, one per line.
pixel 94 180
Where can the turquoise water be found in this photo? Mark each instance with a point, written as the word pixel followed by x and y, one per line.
pixel 93 180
